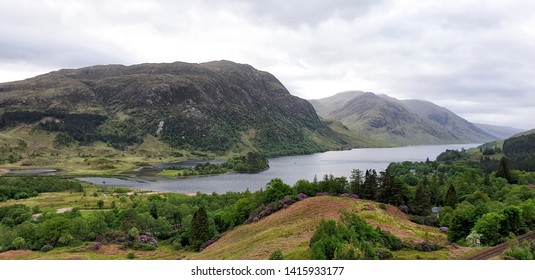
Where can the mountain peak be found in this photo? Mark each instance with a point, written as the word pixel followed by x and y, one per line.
pixel 208 106
pixel 399 122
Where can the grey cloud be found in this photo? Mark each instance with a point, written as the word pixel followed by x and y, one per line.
pixel 295 13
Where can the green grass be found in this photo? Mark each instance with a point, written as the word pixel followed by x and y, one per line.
pixel 51 202
pixel 406 254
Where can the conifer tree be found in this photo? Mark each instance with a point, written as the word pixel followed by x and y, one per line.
pixel 421 203
pixel 200 228
pixel 451 197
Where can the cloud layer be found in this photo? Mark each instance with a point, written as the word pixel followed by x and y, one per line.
pixel 474 57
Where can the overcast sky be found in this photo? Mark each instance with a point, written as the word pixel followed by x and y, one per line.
pixel 476 58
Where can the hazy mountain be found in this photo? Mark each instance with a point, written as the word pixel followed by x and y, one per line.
pixel 398 122
pixel 217 106
pixel 449 121
pixel 500 132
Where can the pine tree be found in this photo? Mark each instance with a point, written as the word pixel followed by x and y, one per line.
pixel 435 193
pixel 504 171
pixel 451 197
pixel 369 190
pixel 356 181
pixel 421 203
pixel 200 228
pixel 390 190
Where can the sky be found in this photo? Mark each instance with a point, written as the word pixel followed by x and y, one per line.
pixel 475 58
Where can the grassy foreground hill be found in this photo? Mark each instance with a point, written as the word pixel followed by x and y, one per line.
pixel 290 230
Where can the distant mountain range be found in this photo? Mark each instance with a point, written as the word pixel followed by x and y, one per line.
pixel 500 132
pixel 389 121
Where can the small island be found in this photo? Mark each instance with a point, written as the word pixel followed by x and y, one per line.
pixel 250 163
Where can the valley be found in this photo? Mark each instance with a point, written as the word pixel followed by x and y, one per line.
pixel 218 160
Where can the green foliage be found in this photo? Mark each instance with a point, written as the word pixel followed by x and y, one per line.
pixel 452 155
pixel 276 255
pixel 352 238
pixel 276 190
pixel 24 187
pixel 525 251
pixel 521 151
pixel 14 214
pixel 421 203
pixel 200 228
pixel 451 197
pixel 489 226
pixel 504 171
pixel 252 162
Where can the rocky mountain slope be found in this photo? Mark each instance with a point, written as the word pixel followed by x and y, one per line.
pixel 217 107
pixel 386 120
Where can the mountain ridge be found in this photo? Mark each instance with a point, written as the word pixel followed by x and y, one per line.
pixel 208 106
pixel 399 122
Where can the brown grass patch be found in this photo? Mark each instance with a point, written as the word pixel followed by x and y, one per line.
pixel 15 255
pixel 286 230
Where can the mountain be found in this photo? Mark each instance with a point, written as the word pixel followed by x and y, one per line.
pixel 390 121
pixel 218 107
pixel 520 150
pixel 500 132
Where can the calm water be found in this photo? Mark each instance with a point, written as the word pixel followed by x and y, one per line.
pixel 289 169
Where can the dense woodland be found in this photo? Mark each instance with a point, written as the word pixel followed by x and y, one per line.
pixel 216 132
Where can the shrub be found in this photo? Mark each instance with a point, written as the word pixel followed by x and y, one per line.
pixel 131 256
pixel 301 196
pixel 383 253
pixel 276 255
pixel 46 248
pixel 382 206
pixel 18 243
pixel 404 209
pixel 526 251
pixel 425 246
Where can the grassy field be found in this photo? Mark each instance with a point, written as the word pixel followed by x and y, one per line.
pixel 34 148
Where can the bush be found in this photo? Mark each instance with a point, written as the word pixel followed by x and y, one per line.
pixel 18 243
pixel 276 255
pixel 131 256
pixel 46 248
pixel 425 246
pixel 526 251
